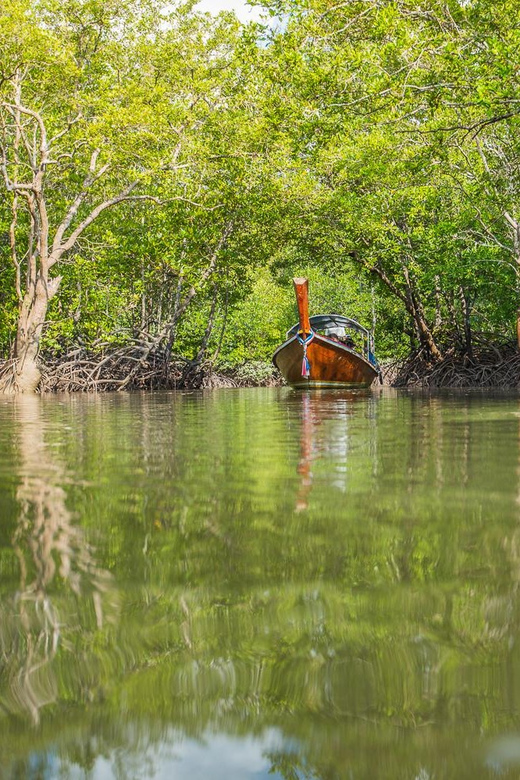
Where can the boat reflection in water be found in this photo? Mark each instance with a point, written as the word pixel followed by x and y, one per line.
pixel 306 453
pixel 324 436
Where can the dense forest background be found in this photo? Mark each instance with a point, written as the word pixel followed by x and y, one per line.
pixel 165 173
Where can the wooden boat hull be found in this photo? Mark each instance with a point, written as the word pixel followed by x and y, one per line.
pixel 332 364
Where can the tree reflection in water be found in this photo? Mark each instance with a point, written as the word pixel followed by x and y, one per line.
pixel 56 565
pixel 374 633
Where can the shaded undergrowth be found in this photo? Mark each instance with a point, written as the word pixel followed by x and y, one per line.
pixel 489 366
pixel 130 367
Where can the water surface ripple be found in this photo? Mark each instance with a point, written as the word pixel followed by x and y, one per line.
pixel 260 584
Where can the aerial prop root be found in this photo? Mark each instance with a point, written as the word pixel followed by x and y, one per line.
pixel 489 367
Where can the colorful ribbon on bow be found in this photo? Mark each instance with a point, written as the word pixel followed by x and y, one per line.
pixel 305 341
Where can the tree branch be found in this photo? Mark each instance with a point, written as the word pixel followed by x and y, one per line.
pixel 69 243
pixel 73 210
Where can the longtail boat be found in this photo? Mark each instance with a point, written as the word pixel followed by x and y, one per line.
pixel 326 350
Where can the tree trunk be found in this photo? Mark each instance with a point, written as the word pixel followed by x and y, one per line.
pixel 23 375
pixel 416 311
pixel 514 225
pixel 27 157
pixel 409 297
pixel 517 260
pixel 426 337
pixel 466 312
pixel 438 311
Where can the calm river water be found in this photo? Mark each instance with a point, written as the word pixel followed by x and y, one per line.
pixel 260 584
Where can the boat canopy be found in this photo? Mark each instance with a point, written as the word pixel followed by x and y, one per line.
pixel 331 324
pixel 343 329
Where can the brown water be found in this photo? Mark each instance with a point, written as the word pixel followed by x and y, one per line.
pixel 260 584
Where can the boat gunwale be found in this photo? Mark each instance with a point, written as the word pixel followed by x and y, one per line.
pixel 331 342
pixel 318 384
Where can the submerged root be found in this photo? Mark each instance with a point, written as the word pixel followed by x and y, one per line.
pixel 488 367
pixel 130 367
pixel 8 377
pixel 17 377
pixel 135 367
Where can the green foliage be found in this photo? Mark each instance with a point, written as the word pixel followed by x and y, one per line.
pixel 372 147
